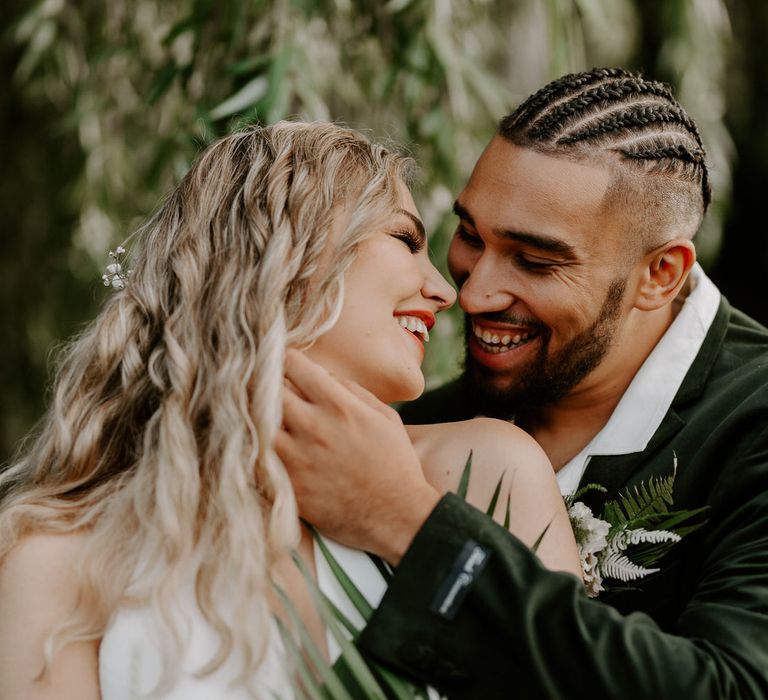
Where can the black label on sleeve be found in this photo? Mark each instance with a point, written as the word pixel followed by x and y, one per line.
pixel 467 567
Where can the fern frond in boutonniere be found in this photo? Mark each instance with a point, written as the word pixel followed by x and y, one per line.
pixel 634 531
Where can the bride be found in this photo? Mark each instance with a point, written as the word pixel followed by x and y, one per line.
pixel 141 531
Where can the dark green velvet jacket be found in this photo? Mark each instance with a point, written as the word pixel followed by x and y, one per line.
pixel 697 629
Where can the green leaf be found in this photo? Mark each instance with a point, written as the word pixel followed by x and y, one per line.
pixel 508 513
pixel 278 95
pixel 357 666
pixel 245 97
pixel 401 689
pixel 537 543
pixel 311 688
pixel 570 500
pixel 351 590
pixel 164 79
pixel 492 505
pixel 461 492
pixel 249 65
pixel 330 679
pixel 633 508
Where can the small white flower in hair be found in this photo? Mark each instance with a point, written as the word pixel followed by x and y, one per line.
pixel 116 276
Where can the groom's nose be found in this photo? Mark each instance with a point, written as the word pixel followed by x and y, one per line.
pixel 485 288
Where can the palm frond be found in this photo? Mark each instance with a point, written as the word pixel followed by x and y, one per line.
pixel 358 668
pixel 494 499
pixel 463 487
pixel 331 682
pixel 535 546
pixel 351 590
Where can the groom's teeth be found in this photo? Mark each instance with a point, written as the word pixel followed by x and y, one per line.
pixel 496 343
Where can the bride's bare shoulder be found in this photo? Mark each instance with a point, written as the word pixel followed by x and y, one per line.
pixel 39 576
pixel 41 553
pixel 499 450
pixel 485 437
pixel 39 589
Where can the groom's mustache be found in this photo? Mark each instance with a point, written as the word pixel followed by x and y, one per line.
pixel 508 319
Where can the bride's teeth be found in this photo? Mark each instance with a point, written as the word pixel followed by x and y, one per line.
pixel 414 325
pixel 516 339
pixel 505 340
pixel 495 339
pixel 487 336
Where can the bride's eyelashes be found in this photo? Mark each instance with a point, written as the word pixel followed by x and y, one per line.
pixel 414 242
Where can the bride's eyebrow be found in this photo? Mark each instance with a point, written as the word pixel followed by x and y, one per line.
pixel 416 222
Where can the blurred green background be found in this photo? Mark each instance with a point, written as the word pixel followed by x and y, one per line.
pixel 104 104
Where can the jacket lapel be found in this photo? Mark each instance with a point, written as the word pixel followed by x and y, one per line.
pixel 614 471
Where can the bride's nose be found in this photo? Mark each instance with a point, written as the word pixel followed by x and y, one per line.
pixel 437 288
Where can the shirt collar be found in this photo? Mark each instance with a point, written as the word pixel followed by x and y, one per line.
pixel 646 401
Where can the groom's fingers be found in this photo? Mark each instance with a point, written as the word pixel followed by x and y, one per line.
pixel 318 386
pixel 312 381
pixel 295 408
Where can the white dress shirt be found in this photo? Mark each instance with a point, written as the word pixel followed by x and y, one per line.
pixel 647 399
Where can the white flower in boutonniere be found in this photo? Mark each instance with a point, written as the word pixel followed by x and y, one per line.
pixel 633 531
pixel 591 537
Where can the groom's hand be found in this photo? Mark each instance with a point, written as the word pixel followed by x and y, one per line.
pixel 354 470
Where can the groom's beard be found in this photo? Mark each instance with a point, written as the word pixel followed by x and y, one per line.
pixel 548 376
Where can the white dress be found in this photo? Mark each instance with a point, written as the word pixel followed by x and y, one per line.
pixel 129 656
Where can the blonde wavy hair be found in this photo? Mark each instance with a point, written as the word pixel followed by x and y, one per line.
pixel 158 442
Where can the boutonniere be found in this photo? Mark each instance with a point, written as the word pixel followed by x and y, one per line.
pixel 633 532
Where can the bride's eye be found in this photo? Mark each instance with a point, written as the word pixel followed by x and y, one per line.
pixel 414 242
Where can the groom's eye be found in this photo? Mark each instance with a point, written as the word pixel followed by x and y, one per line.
pixel 469 238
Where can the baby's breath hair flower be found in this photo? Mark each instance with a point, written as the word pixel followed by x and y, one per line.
pixel 116 275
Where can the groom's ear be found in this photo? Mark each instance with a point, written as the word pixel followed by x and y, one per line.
pixel 664 272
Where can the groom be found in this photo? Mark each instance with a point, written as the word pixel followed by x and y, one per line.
pixel 588 321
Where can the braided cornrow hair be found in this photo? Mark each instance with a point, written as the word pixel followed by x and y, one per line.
pixel 616 110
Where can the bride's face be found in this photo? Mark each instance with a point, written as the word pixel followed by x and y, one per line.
pixel 391 295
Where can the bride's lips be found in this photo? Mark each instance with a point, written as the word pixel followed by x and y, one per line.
pixel 428 320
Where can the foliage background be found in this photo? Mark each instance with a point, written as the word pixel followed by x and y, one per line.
pixel 103 106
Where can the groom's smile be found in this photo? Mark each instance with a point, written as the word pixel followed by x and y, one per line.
pixel 495 339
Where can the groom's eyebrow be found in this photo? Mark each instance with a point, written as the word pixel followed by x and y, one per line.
pixel 416 222
pixel 462 213
pixel 550 244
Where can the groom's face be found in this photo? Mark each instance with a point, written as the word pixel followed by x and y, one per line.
pixel 542 271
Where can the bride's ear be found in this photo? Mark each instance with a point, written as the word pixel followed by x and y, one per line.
pixel 665 271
